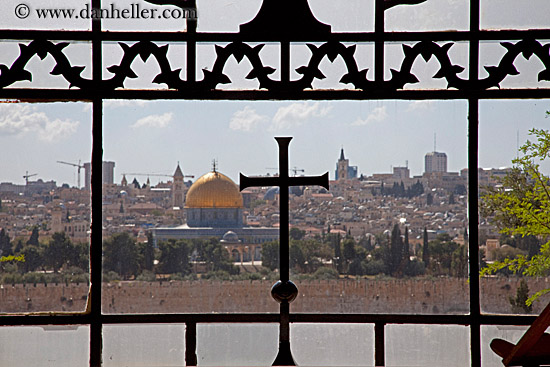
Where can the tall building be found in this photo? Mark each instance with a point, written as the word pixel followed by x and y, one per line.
pixel 107 173
pixel 178 188
pixel 401 173
pixel 435 162
pixel 343 170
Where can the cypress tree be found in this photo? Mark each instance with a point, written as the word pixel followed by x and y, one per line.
pixel 33 240
pixel 5 244
pixel 406 248
pixel 396 250
pixel 425 249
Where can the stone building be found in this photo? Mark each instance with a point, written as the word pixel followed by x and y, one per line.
pixel 343 170
pixel 214 208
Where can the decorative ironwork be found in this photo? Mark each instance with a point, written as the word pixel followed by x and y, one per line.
pixel 285 17
pixel 391 3
pixel 239 50
pixel 284 291
pixel 281 22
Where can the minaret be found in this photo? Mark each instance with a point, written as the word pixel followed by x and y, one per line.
pixel 124 181
pixel 177 188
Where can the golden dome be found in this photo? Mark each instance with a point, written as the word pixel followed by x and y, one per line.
pixel 214 190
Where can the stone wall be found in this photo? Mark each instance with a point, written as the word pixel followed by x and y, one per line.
pixel 444 295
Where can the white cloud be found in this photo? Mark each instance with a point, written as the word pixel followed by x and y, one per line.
pixel 116 103
pixel 18 119
pixel 246 120
pixel 297 114
pixel 420 106
pixel 158 121
pixel 379 114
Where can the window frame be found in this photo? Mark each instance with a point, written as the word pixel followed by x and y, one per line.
pixel 473 94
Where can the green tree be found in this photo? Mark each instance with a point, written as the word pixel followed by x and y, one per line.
pixel 174 257
pixel 33 239
pixel 459 262
pixel 519 303
pixel 5 244
pixel 270 255
pixel 334 240
pixel 522 208
pixel 33 259
pixel 120 254
pixel 78 254
pixel 425 249
pixel 215 256
pixel 296 255
pixel 394 257
pixel 429 199
pixel 148 253
pixel 349 252
pixel 296 233
pixel 441 251
pixel 406 247
pixel 57 251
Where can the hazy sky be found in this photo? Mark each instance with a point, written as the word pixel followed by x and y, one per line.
pixel 152 137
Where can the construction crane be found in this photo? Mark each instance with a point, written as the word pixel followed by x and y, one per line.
pixel 79 167
pixel 294 169
pixel 26 177
pixel 154 174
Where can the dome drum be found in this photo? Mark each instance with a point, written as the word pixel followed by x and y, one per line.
pixel 215 217
pixel 214 201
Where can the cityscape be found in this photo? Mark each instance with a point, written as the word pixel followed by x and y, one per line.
pixel 359 207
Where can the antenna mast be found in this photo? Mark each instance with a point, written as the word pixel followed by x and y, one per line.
pixel 517 144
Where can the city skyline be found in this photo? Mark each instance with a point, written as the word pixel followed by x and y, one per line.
pixel 146 137
pixel 152 137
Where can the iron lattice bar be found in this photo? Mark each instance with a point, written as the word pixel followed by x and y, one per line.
pixel 472 90
pixel 457 36
pixel 262 318
pixel 56 95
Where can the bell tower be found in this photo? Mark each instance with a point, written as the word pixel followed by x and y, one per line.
pixel 342 167
pixel 177 188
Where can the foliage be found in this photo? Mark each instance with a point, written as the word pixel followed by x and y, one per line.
pixel 5 244
pixel 148 253
pixel 425 248
pixel 441 255
pixel 296 233
pixel 58 251
pixel 120 254
pixel 415 268
pixel 270 255
pixel 522 207
pixel 324 273
pixel 396 256
pixel 374 267
pixel 41 277
pixel 216 257
pixel 519 303
pixel 398 190
pixel 146 276
pixel 33 240
pixel 174 257
pixel 10 258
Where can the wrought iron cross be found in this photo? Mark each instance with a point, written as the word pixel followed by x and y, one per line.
pixel 284 291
